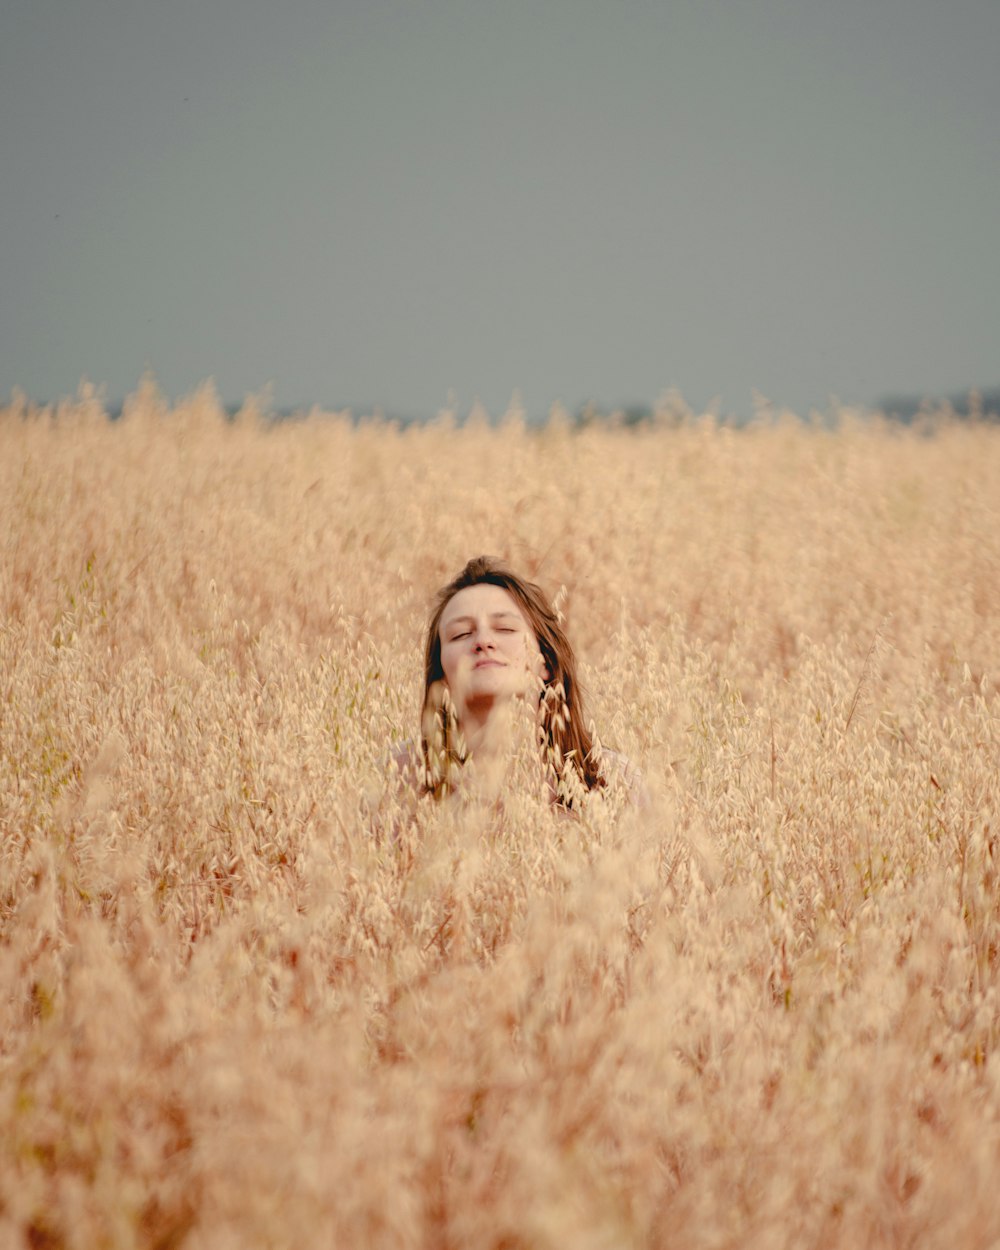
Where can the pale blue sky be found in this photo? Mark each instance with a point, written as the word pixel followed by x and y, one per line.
pixel 384 203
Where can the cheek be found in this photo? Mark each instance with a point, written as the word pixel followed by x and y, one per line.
pixel 455 664
pixel 523 648
pixel 534 660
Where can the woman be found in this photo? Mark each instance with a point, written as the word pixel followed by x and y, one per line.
pixel 500 683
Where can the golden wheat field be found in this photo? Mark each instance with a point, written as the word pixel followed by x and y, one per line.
pixel 760 1011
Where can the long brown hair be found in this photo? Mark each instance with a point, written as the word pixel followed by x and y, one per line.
pixel 565 738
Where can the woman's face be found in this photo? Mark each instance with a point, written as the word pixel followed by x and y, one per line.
pixel 488 648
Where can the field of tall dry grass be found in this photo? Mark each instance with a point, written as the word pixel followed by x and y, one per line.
pixel 761 1011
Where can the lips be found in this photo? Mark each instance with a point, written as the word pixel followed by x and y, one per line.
pixel 489 664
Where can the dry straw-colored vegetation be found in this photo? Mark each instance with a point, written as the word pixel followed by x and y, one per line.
pixel 761 1012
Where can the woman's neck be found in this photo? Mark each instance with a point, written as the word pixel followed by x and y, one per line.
pixel 500 740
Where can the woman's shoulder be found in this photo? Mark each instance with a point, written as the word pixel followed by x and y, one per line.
pixel 407 763
pixel 617 768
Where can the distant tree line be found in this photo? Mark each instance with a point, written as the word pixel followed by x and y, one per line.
pixel 971 404
pixel 905 408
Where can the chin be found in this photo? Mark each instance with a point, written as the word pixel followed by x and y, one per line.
pixel 494 679
pixel 499 682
